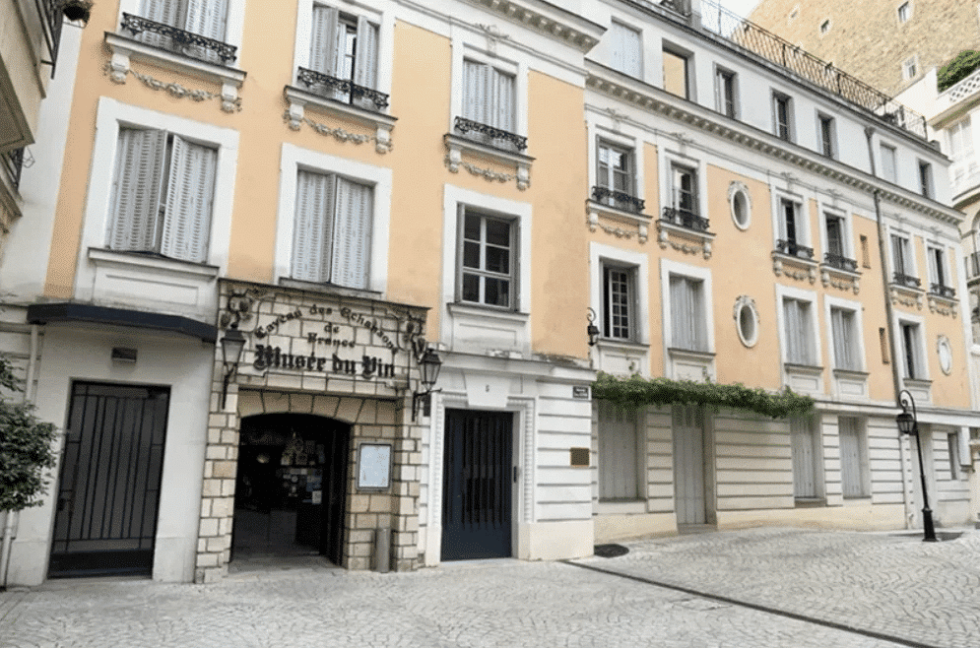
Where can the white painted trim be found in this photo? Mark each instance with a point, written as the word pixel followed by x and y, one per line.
pixel 908 234
pixel 467 45
pixel 671 152
pixel 113 114
pixel 783 292
pixel 453 197
pixel 598 253
pixel 823 209
pixel 667 268
pixel 802 210
pixel 293 159
pixel 898 354
pixel 627 138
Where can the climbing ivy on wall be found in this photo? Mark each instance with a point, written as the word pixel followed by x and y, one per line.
pixel 636 391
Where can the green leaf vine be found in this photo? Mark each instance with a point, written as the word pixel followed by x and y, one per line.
pixel 635 392
pixel 962 66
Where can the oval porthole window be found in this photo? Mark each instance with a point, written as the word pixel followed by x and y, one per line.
pixel 747 320
pixel 945 350
pixel 741 205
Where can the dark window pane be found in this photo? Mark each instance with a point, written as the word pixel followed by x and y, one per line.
pixel 471 288
pixel 498 232
pixel 471 228
pixel 471 255
pixel 497 292
pixel 498 259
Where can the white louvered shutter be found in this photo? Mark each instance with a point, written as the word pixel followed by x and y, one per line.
pixel 136 202
pixel 841 325
pixel 687 314
pixel 207 18
pixel 326 47
pixel 366 60
pixel 618 461
pixel 797 322
pixel 804 464
pixel 476 97
pixel 161 11
pixel 352 238
pixel 190 193
pixel 852 478
pixel 627 49
pixel 503 86
pixel 313 227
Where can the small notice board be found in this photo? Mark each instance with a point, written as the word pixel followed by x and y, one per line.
pixel 374 466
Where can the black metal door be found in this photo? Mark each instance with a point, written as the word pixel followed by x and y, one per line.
pixel 109 487
pixel 335 494
pixel 476 484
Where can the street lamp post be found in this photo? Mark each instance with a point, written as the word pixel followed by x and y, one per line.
pixel 908 423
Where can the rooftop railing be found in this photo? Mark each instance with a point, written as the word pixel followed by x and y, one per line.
pixel 754 40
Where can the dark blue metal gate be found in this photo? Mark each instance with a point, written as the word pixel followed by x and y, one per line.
pixel 109 489
pixel 476 482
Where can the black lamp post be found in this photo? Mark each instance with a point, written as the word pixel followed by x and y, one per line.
pixel 429 366
pixel 232 345
pixel 909 424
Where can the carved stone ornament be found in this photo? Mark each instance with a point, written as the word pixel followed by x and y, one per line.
pixel 382 139
pixel 118 74
pixel 945 351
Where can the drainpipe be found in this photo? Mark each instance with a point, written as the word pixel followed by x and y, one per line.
pixel 10 519
pixel 889 326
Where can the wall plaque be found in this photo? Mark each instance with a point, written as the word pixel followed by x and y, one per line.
pixel 374 466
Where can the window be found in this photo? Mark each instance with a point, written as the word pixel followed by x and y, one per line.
pixel 687 314
pixel 904 12
pixel 910 67
pixel 792 229
pixel 835 235
pixel 741 205
pixel 619 456
pixel 953 446
pixel 888 163
pixel 747 321
pixel 912 365
pixel 902 262
pixel 843 325
pixel 853 457
pixel 684 189
pixel 782 116
pixel 798 328
pixel 677 73
pixel 925 179
pixel 828 135
pixel 203 18
pixel 488 95
pixel 487 271
pixel 163 192
pixel 964 164
pixel 618 302
pixel 627 49
pixel 806 455
pixel 825 26
pixel 332 232
pixel 725 92
pixel 939 282
pixel 615 171
pixel 344 47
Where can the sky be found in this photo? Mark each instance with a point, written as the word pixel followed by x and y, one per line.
pixel 741 7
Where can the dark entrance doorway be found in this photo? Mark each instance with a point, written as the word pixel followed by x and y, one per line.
pixel 292 485
pixel 476 482
pixel 109 487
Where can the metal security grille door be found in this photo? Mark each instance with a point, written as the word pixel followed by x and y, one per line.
pixel 803 443
pixel 476 509
pixel 110 481
pixel 689 495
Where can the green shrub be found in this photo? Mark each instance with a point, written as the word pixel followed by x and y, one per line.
pixel 962 65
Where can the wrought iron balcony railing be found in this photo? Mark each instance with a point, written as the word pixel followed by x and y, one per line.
pixel 193 45
pixel 942 290
pixel 618 199
pixel 840 262
pixel 973 265
pixel 52 19
pixel 489 134
pixel 752 39
pixel 907 280
pixel 792 248
pixel 685 219
pixel 342 89
pixel 13 162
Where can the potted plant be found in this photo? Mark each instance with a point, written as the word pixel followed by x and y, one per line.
pixel 77 9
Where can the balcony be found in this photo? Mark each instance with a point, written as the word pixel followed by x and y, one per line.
pixel 942 290
pixel 192 45
pixel 343 90
pixel 490 135
pixel 52 20
pixel 840 262
pixel 618 199
pixel 684 218
pixel 488 142
pixel 907 281
pixel 733 31
pixel 13 163
pixel 794 249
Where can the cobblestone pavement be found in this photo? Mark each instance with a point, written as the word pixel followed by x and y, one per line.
pixel 869 578
pixel 891 584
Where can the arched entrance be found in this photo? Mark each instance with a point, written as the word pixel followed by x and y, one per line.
pixel 291 486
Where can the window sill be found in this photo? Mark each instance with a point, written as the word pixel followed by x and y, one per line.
pixel 329 289
pixel 621 507
pixel 794 267
pixel 902 295
pixel 686 364
pixel 106 257
pixel 669 233
pixel 920 389
pixel 856 500
pixel 639 220
pixel 942 305
pixel 124 50
pixel 473 310
pixel 622 358
pixel 839 278
pixel 851 383
pixel 488 331
pixel 300 99
pixel 456 146
pixel 804 378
